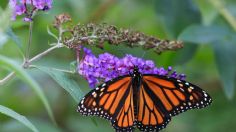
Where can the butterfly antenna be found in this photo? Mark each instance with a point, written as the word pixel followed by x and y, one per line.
pixel 120 51
pixel 143 54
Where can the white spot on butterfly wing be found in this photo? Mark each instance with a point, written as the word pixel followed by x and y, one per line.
pixel 82 101
pixel 104 84
pixel 102 89
pixel 191 87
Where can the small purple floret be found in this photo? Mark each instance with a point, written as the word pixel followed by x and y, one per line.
pixel 107 66
pixel 28 7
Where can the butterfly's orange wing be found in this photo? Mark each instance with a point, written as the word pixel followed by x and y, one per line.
pixel 112 100
pixel 161 97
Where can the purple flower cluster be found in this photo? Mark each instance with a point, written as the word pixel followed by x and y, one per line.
pixel 28 7
pixel 107 66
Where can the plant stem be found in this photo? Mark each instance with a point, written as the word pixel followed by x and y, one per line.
pixel 26 65
pixel 28 61
pixel 63 70
pixel 45 52
pixel 27 52
pixel 224 12
pixel 56 69
pixel 7 78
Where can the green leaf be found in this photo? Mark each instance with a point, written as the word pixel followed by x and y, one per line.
pixel 223 8
pixel 177 14
pixel 65 82
pixel 14 37
pixel 9 112
pixel 225 59
pixel 175 20
pixel 73 66
pixel 200 34
pixel 28 79
pixel 10 34
pixel 5 17
pixel 185 54
pixel 94 121
pixel 209 13
pixel 51 34
pixel 3 39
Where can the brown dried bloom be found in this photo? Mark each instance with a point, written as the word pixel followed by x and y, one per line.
pixel 98 34
pixel 61 19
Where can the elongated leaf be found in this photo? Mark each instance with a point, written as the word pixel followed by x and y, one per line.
pixel 209 13
pixel 9 112
pixel 177 15
pixel 28 79
pixel 51 34
pixel 203 34
pixel 15 38
pixel 225 59
pixel 5 18
pixel 175 20
pixel 73 66
pixel 3 39
pixel 185 54
pixel 94 121
pixel 65 82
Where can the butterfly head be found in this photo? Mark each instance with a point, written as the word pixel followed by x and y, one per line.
pixel 136 69
pixel 135 72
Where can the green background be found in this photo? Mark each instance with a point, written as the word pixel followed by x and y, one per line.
pixel 208 58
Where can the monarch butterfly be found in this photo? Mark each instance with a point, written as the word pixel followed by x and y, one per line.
pixel 147 101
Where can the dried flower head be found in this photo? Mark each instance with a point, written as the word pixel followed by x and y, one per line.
pixel 107 66
pixel 61 19
pixel 97 34
pixel 28 7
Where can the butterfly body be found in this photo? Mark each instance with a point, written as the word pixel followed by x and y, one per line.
pixel 147 101
pixel 136 83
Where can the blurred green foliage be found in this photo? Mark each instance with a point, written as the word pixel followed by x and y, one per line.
pixel 206 26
